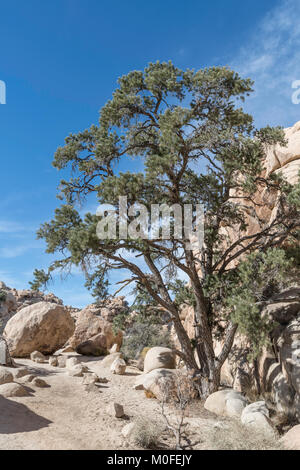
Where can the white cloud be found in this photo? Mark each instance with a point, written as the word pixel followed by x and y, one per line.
pixel 14 251
pixel 11 281
pixel 272 58
pixel 7 226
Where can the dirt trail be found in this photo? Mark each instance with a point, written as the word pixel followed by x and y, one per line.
pixel 66 415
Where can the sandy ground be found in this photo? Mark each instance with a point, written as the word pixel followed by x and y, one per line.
pixel 66 415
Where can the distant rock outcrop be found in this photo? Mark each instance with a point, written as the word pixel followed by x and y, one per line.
pixel 94 333
pixel 13 300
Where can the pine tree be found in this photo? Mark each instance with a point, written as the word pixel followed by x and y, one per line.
pixel 197 146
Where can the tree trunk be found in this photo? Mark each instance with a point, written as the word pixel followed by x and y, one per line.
pixel 185 344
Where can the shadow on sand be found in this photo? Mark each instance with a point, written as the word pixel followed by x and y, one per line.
pixel 16 417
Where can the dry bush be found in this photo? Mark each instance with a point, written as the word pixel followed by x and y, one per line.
pixel 146 432
pixel 178 392
pixel 178 389
pixel 236 436
pixel 284 422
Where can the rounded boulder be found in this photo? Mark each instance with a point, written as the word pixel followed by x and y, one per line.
pixel 43 327
pixel 159 358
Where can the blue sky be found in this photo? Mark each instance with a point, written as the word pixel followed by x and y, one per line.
pixel 60 61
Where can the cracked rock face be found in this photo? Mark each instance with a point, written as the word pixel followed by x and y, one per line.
pixel 286 159
pixel 94 334
pixel 279 369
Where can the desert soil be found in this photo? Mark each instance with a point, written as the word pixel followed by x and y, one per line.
pixel 68 415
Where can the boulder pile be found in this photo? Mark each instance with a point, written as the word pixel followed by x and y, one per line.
pixel 33 321
pixel 94 334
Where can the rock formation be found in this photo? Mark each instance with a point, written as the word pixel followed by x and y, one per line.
pixel 277 370
pixel 43 327
pixel 159 358
pixel 94 334
pixel 47 329
pixel 284 160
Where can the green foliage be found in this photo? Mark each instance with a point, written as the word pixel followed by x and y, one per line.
pixel 144 328
pixel 144 335
pixel 41 279
pixel 197 146
pixel 183 294
pixel 2 296
pixel 97 284
pixel 259 276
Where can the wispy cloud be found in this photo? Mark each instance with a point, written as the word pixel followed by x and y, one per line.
pixel 14 251
pixel 272 58
pixel 12 280
pixel 16 228
pixel 7 226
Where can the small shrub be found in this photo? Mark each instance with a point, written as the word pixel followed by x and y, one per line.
pixel 239 437
pixel 144 328
pixel 144 335
pixel 147 432
pixel 178 391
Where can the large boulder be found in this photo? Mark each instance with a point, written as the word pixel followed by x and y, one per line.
pixel 43 326
pixel 226 403
pixel 256 416
pixel 159 358
pixel 94 346
pixel 149 381
pixel 291 440
pixel 141 359
pixel 93 334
